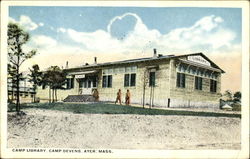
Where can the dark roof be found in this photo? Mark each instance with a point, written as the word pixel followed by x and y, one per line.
pixel 144 60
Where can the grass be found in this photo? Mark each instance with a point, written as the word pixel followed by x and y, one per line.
pixel 103 108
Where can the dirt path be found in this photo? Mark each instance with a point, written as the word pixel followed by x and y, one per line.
pixel 47 129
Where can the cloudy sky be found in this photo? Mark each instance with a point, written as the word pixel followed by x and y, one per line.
pixel 78 34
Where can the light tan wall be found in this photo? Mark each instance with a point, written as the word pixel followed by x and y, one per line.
pixel 189 96
pixel 165 88
pixel 160 91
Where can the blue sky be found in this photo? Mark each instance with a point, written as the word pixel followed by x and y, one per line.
pixel 89 19
pixel 77 34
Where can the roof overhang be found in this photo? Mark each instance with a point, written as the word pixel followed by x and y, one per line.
pixel 201 65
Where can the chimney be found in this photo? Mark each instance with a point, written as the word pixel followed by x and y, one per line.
pixel 155 53
pixel 67 65
pixel 95 59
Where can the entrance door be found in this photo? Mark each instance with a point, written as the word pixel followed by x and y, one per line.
pixel 87 87
pixel 87 84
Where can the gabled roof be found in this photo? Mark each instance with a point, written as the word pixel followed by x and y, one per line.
pixel 145 60
pixel 205 57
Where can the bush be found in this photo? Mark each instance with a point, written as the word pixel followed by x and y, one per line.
pixel 37 100
pixel 11 106
pixel 236 106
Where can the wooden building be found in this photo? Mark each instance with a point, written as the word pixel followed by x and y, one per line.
pixel 190 80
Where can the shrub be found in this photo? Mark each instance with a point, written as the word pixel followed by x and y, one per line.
pixel 11 106
pixel 37 100
pixel 236 106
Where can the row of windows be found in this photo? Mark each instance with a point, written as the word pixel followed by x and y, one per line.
pixel 129 80
pixel 22 95
pixel 131 69
pixel 181 82
pixel 196 72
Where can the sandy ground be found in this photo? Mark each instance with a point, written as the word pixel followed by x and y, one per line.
pixel 50 129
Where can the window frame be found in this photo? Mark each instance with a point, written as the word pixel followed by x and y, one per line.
pixel 107 81
pixel 128 80
pixel 152 80
pixel 181 80
pixel 198 82
pixel 213 86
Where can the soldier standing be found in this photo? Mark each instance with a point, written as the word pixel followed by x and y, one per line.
pixel 119 97
pixel 127 98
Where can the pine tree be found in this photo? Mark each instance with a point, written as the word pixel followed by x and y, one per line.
pixel 17 37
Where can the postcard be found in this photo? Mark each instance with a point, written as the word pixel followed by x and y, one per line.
pixel 109 79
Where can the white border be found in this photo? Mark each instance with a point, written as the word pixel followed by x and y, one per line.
pixel 243 153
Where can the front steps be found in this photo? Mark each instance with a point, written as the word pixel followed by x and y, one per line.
pixel 79 98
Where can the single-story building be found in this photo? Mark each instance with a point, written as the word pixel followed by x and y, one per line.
pixel 190 80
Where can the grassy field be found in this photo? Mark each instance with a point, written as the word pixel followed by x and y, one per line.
pixel 103 108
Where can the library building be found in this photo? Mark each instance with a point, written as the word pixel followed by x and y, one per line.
pixel 190 80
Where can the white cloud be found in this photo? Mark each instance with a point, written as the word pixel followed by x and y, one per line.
pixel 63 30
pixel 43 41
pixel 41 24
pixel 205 32
pixel 12 20
pixel 26 22
pixel 205 35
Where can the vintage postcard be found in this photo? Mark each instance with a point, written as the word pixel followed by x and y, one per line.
pixel 109 79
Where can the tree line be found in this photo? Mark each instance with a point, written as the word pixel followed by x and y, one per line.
pixel 53 77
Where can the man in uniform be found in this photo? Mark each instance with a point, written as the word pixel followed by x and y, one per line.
pixel 127 98
pixel 119 97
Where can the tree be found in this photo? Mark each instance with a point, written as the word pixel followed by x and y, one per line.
pixel 11 75
pixel 35 77
pixel 237 96
pixel 145 82
pixel 55 78
pixel 17 37
pixel 228 95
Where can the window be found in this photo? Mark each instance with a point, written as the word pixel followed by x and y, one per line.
pixel 198 83
pixel 81 81
pixel 129 80
pixel 107 81
pixel 151 79
pixel 85 83
pixel 126 80
pixel 89 83
pixel 110 81
pixel 94 81
pixel 213 85
pixel 132 79
pixel 70 83
pixel 180 80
